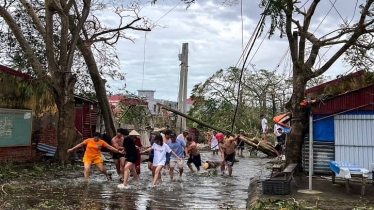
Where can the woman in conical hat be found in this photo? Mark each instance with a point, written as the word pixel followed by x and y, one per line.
pixel 138 143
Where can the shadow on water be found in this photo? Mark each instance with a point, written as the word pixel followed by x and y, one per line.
pixel 193 191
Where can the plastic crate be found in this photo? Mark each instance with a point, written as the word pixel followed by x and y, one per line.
pixel 276 186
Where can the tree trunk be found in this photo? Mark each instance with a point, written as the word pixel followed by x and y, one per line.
pixel 66 131
pixel 299 123
pixel 99 85
pixel 273 102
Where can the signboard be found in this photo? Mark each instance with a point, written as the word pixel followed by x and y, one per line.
pixel 15 127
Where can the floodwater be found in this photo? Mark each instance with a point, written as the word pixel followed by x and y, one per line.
pixel 193 191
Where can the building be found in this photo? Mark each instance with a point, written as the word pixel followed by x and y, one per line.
pixel 189 104
pixel 149 96
pixel 117 100
pixel 342 126
pixel 36 117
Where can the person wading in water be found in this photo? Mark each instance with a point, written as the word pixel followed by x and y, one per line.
pixel 178 146
pixel 227 148
pixel 159 158
pixel 213 142
pixel 138 144
pixel 151 153
pixel 194 155
pixel 93 154
pixel 118 158
pixel 131 156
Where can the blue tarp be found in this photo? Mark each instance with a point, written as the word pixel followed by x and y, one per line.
pixel 323 130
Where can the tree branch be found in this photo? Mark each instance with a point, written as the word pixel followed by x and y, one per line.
pixel 303 34
pixel 128 26
pixel 291 41
pixel 334 42
pixel 52 64
pixel 76 31
pixel 38 24
pixel 360 29
pixel 299 11
pixel 29 52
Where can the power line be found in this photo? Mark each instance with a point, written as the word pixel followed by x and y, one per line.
pixel 167 13
pixel 354 13
pixel 241 15
pixel 145 39
pixel 258 48
pixel 246 47
pixel 284 55
pixel 333 5
pixel 243 67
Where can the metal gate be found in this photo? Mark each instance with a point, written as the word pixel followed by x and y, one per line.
pixel 354 139
pixel 323 152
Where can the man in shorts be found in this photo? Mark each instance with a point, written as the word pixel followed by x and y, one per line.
pixel 240 143
pixel 281 139
pixel 178 146
pixel 118 158
pixel 194 155
pixel 227 148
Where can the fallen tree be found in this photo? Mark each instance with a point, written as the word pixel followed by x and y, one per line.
pixel 255 142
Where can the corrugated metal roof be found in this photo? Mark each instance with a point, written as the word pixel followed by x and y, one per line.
pixel 14 72
pixel 331 82
pixel 361 99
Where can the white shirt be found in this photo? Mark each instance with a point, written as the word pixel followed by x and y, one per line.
pixel 159 157
pixel 276 126
pixel 214 143
pixel 264 124
pixel 181 137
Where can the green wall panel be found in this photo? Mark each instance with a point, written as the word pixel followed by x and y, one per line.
pixel 15 127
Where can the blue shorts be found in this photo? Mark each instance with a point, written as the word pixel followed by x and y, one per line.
pixel 168 158
pixel 240 147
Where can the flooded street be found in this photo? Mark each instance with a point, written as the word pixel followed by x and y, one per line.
pixel 194 191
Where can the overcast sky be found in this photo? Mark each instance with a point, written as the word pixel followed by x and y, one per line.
pixel 214 35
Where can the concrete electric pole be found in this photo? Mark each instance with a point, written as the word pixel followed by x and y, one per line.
pixel 182 96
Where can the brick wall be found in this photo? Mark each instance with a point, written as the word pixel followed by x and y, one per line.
pixel 48 136
pixel 20 154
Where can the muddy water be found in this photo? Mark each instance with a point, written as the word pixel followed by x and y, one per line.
pixel 193 191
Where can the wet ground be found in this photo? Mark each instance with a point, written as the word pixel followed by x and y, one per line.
pixel 67 190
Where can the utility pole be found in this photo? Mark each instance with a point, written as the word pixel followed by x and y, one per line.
pixel 182 96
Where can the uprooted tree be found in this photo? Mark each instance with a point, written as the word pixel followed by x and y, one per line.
pixel 60 28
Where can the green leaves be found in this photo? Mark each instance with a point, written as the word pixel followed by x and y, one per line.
pixel 216 98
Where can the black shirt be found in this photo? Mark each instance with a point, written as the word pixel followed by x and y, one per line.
pixel 130 149
pixel 239 142
pixel 282 138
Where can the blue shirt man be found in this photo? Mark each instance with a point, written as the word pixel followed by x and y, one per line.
pixel 178 146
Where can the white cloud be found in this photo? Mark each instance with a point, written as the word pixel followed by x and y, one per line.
pixel 214 36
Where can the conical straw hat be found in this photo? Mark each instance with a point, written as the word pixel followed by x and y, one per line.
pixel 134 133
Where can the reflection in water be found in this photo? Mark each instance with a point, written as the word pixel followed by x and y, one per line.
pixel 194 191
